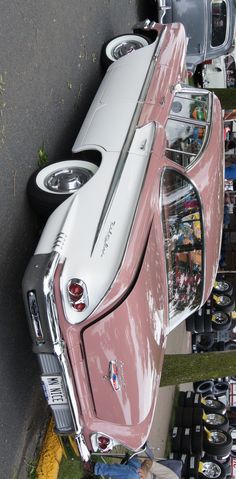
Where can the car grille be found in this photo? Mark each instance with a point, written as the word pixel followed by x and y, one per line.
pixel 49 364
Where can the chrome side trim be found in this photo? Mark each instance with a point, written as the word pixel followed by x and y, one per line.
pixel 146 24
pixel 61 352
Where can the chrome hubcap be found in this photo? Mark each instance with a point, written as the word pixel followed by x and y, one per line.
pixel 214 419
pixel 220 317
pixel 211 402
pixel 217 437
pixel 67 180
pixel 211 470
pixel 224 300
pixel 126 47
pixel 221 286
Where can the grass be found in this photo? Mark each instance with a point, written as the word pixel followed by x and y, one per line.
pixel 71 468
pixel 42 156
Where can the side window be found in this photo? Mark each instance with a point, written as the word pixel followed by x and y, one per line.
pixel 219 22
pixel 186 127
pixel 188 105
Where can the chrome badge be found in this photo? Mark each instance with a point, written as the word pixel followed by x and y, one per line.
pixel 116 374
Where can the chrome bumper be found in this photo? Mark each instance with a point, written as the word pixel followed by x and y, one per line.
pixel 61 352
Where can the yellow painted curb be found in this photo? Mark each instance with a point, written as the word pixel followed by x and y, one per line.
pixel 51 455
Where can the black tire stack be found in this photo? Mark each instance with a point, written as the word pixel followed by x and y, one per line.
pixel 213 317
pixel 191 436
pixel 213 387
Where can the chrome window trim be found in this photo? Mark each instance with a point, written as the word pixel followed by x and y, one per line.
pixel 207 124
pixel 183 174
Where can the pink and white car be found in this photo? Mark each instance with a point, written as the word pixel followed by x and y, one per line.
pixel 132 246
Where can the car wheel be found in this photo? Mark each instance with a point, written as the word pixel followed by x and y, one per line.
pixel 223 302
pixel 205 387
pixel 217 442
pixel 120 46
pixel 221 388
pixel 220 321
pixel 216 420
pixel 210 404
pixel 204 342
pixel 222 286
pixel 209 468
pixel 48 187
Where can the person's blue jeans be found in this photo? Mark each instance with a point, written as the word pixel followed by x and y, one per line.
pixel 119 471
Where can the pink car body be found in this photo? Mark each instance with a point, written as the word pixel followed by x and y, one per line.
pixel 101 366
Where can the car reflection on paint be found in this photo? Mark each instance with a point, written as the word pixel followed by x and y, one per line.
pixel 140 202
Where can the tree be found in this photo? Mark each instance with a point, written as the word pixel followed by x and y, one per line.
pixel 185 368
pixel 227 97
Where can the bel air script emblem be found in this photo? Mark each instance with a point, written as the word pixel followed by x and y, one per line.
pixel 116 374
pixel 107 238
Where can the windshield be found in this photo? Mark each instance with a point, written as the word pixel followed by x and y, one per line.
pixel 182 224
pixel 218 22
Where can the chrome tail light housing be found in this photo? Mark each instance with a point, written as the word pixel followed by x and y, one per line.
pixel 77 294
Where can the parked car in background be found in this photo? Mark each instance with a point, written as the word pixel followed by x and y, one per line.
pixel 220 72
pixel 132 243
pixel 209 26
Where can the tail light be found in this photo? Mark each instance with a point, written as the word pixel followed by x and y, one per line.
pixel 75 290
pixel 78 296
pixel 102 442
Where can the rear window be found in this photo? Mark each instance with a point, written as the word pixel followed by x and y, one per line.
pixel 219 23
pixel 183 233
pixel 187 127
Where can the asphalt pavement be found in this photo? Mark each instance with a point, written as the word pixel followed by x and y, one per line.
pixel 49 73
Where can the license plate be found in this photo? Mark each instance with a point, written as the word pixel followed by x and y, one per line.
pixel 54 390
